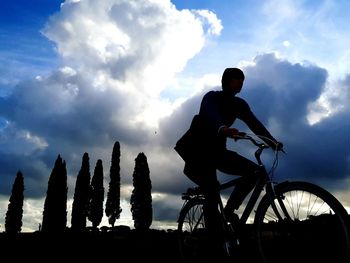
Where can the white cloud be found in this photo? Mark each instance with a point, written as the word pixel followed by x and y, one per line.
pixel 286 43
pixel 117 58
pixel 334 99
pixel 119 75
pixel 210 19
pixel 134 48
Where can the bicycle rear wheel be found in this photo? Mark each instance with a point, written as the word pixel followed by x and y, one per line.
pixel 191 231
pixel 315 228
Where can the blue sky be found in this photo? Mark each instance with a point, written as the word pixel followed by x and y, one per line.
pixel 22 45
pixel 76 76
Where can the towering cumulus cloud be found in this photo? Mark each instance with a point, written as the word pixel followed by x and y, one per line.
pixel 135 72
pixel 116 59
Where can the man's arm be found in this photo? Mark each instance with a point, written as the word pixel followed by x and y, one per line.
pixel 255 125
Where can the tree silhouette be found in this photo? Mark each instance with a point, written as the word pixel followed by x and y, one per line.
pixel 95 212
pixel 113 208
pixel 81 195
pixel 141 198
pixel 55 206
pixel 13 219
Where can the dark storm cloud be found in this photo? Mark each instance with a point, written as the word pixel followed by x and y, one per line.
pixel 62 114
pixel 315 152
pixel 111 53
pixel 280 93
pixel 181 119
pixel 281 90
pixel 320 152
pixel 35 173
pixel 65 106
pixel 166 210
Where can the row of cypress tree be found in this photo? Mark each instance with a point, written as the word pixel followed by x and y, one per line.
pixel 88 196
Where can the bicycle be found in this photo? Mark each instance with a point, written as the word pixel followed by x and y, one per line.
pixel 294 221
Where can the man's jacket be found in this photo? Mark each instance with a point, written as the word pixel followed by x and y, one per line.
pixel 202 141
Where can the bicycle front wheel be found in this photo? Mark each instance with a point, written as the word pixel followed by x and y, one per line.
pixel 312 225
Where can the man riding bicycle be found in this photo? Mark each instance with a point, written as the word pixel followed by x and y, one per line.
pixel 203 146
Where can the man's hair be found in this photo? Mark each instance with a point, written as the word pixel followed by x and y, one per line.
pixel 229 74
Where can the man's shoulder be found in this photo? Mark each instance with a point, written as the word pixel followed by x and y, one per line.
pixel 213 92
pixel 241 103
pixel 239 100
pixel 218 94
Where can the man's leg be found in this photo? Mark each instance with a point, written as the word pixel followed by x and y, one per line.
pixel 211 212
pixel 235 164
pixel 205 176
pixel 213 223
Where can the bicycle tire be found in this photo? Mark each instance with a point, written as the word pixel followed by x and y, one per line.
pixel 191 231
pixel 317 232
pixel 195 242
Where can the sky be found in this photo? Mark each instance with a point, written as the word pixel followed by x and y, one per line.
pixel 77 76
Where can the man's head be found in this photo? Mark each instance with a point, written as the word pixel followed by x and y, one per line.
pixel 232 80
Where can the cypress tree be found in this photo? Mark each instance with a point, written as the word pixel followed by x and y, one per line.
pixel 97 195
pixel 14 214
pixel 81 195
pixel 55 206
pixel 141 198
pixel 113 208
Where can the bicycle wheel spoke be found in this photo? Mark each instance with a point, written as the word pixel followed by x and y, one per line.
pixel 191 228
pixel 316 226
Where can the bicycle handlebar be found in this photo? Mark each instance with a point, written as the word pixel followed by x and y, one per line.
pixel 261 145
pixel 244 136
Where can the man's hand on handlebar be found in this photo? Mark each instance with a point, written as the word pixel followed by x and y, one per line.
pixel 232 133
pixel 279 147
pixel 235 134
pixel 240 135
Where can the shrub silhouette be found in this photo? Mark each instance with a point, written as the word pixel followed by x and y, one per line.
pixel 141 198
pixel 113 208
pixel 95 212
pixel 81 195
pixel 55 206
pixel 13 219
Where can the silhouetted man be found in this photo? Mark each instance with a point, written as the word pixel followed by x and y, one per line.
pixel 203 147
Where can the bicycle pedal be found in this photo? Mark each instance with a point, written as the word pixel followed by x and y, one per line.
pixel 232 246
pixel 193 191
pixel 190 192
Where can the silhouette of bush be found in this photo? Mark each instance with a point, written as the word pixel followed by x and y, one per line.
pixel 97 196
pixel 141 198
pixel 113 208
pixel 13 219
pixel 81 196
pixel 55 206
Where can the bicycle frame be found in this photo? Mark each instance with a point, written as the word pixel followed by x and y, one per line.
pixel 263 182
pixel 276 219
